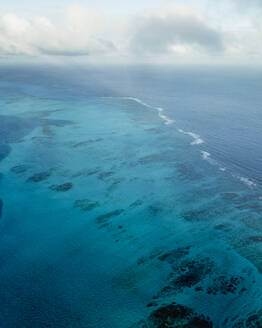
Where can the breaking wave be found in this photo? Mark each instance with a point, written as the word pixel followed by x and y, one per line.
pixel 197 140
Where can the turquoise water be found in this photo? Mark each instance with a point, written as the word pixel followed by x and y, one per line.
pixel 115 213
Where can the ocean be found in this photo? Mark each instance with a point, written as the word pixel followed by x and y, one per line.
pixel 130 197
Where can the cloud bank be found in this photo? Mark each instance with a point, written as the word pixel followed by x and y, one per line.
pixel 174 30
pixel 79 33
pixel 171 32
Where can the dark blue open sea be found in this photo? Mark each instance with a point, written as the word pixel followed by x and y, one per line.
pixel 130 197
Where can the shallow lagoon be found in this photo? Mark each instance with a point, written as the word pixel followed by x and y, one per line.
pixel 111 218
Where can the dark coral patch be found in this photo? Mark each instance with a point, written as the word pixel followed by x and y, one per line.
pixel 171 257
pixel 177 316
pixel 105 175
pixel 47 131
pixel 154 130
pixel 58 123
pixel 14 141
pixel 151 304
pixel 203 266
pixel 154 209
pixel 63 187
pixel 188 279
pixel 154 254
pixel 155 158
pixel 224 285
pixel 114 185
pixel 104 217
pixel 141 260
pixel 38 177
pixel 136 203
pixel 188 172
pixel 18 169
pixel 198 215
pixel 87 142
pixel 223 227
pixel 256 239
pixel 85 173
pixel 186 275
pixel 255 206
pixel 40 139
pixel 251 321
pixel 164 157
pixel 105 225
pixel 192 216
pixel 229 195
pixel 85 204
pixel 175 254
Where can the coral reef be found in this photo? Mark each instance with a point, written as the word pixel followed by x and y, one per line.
pixel 174 316
pixel 63 187
pixel 19 169
pixel 85 204
pixel 104 217
pixel 38 177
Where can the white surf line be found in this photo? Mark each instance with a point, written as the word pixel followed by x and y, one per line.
pixel 167 120
pixel 197 139
pixel 247 181
pixel 205 155
pixel 160 110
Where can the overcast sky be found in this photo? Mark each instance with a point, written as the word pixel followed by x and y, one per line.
pixel 197 31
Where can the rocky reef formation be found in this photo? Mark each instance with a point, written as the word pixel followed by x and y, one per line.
pixel 85 204
pixel 253 320
pixel 174 316
pixel 38 177
pixel 87 142
pixel 225 285
pixel 19 169
pixel 62 187
pixel 104 217
pixel 187 274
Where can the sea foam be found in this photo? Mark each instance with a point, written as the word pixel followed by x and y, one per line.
pixel 205 155
pixel 247 181
pixel 160 110
pixel 197 140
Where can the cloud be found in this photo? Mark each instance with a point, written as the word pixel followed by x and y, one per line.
pixel 250 3
pixel 167 33
pixel 80 33
pixel 174 29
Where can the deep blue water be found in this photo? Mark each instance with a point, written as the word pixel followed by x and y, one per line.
pixel 130 197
